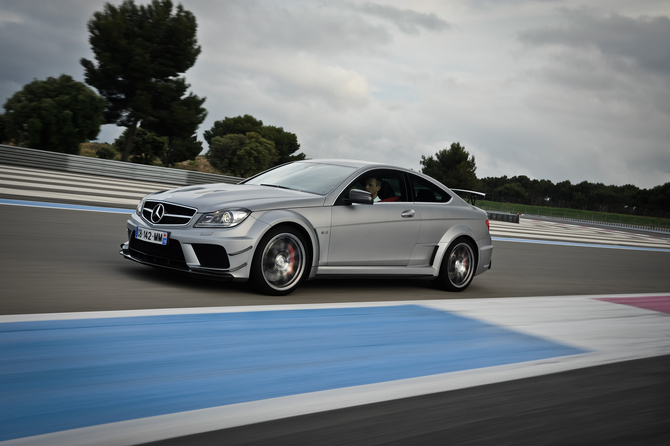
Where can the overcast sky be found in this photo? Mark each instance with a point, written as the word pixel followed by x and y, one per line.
pixel 558 90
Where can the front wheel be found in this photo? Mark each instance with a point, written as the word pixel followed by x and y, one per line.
pixel 458 266
pixel 280 262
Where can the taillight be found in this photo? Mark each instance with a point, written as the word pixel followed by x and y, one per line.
pixel 487 225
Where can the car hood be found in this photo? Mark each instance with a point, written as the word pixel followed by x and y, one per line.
pixel 214 197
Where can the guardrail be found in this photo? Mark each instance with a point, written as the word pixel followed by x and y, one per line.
pixel 500 216
pixel 42 159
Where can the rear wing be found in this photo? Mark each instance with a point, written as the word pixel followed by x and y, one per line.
pixel 470 195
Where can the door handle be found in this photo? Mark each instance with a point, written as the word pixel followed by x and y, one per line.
pixel 408 214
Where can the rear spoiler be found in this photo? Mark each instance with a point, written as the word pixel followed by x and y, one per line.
pixel 472 197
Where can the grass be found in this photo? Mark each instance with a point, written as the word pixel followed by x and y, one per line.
pixel 600 217
pixel 199 164
pixel 90 149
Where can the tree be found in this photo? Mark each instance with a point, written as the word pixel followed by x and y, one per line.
pixel 242 155
pixel 522 180
pixel 177 119
pixel 626 199
pixel 140 51
pixel 286 143
pixel 453 167
pixel 489 184
pixel 147 146
pixel 562 193
pixel 539 191
pixel 181 149
pixel 659 199
pixel 57 115
pixel 511 193
pixel 240 125
pixel 106 152
pixel 3 132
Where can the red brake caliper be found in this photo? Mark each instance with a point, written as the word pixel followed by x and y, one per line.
pixel 291 259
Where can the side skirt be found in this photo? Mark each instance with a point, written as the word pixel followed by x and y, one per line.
pixel 407 272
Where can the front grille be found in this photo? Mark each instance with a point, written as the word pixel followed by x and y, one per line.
pixel 163 255
pixel 211 256
pixel 173 214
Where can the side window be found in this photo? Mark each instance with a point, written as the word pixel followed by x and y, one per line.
pixel 388 186
pixel 424 191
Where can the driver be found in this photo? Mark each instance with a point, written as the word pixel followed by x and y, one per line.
pixel 373 185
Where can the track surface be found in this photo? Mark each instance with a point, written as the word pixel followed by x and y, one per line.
pixel 55 261
pixel 593 406
pixel 62 261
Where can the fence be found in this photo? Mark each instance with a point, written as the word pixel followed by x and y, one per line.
pixel 499 216
pixel 20 156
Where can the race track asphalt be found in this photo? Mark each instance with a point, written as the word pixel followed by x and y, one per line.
pixel 592 406
pixel 57 260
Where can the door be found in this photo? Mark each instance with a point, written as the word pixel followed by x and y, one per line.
pixel 382 234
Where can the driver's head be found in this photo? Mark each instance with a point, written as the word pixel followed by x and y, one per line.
pixel 372 185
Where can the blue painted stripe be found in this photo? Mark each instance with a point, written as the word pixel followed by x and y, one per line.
pixel 77 207
pixel 66 374
pixel 583 245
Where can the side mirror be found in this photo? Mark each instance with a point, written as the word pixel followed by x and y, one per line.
pixel 359 196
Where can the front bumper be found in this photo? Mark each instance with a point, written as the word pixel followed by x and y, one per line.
pixel 224 254
pixel 148 259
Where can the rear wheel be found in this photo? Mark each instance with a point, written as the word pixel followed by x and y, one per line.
pixel 280 262
pixel 458 266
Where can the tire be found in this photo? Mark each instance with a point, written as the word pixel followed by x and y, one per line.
pixel 281 262
pixel 458 266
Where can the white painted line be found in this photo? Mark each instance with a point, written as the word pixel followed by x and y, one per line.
pixel 111 186
pixel 312 306
pixel 60 187
pixel 630 241
pixel 575 231
pixel 72 197
pixel 67 207
pixel 633 247
pixel 80 176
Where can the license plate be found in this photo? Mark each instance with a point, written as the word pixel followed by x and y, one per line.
pixel 158 237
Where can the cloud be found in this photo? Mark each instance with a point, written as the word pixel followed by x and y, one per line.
pixel 527 88
pixel 40 40
pixel 604 81
pixel 290 55
pixel 317 29
pixel 644 41
pixel 407 20
pixel 301 78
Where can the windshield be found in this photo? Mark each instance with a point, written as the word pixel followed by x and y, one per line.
pixel 307 177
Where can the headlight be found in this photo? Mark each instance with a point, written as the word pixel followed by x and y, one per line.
pixel 226 218
pixel 140 205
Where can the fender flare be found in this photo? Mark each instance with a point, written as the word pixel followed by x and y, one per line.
pixel 447 239
pixel 285 216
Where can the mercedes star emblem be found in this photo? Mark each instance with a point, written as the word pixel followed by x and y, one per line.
pixel 157 213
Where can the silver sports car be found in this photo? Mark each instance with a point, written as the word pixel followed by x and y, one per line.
pixel 313 219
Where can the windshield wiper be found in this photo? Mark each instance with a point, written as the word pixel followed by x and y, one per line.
pixel 276 185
